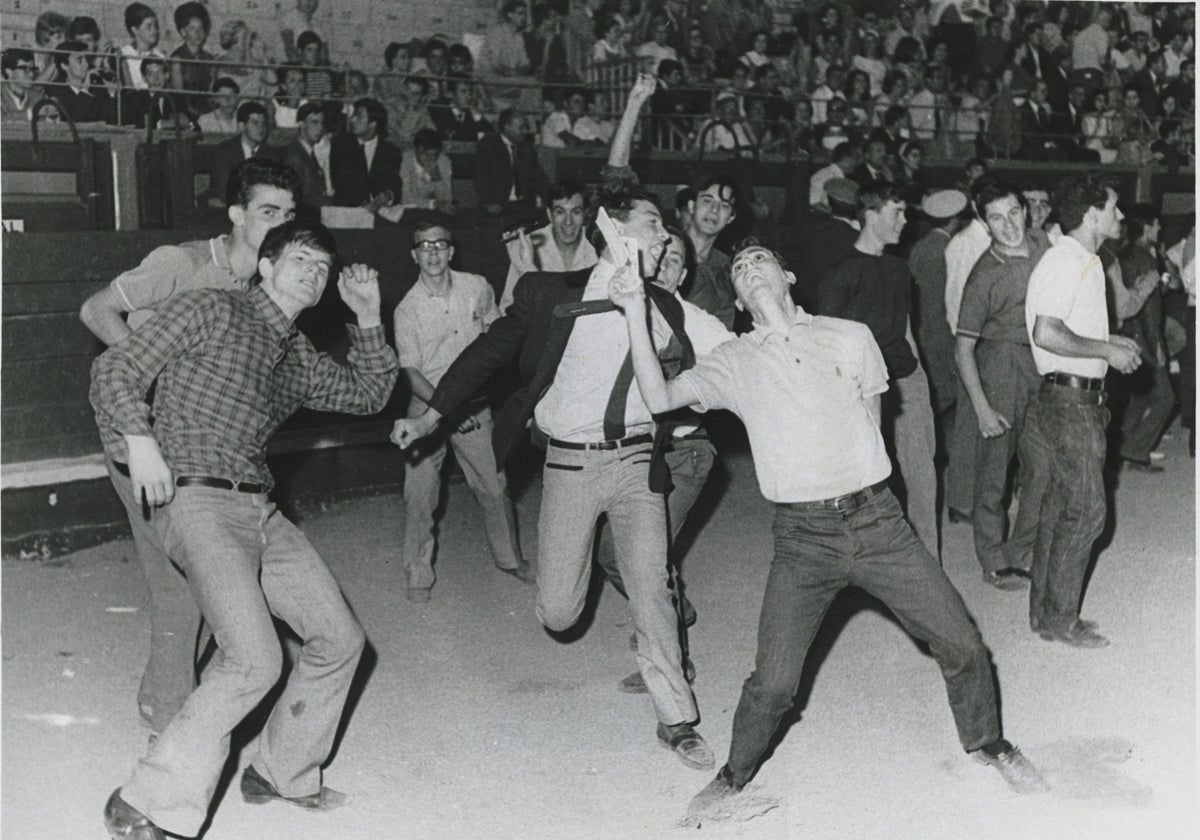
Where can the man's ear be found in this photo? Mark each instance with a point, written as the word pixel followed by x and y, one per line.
pixel 791 278
pixel 737 304
pixel 237 215
pixel 266 268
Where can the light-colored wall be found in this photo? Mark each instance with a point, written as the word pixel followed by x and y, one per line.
pixel 357 30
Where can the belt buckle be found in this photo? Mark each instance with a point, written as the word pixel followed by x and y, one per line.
pixel 844 504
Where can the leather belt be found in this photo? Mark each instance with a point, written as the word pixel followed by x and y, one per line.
pixel 219 483
pixel 205 481
pixel 848 502
pixel 1070 380
pixel 603 445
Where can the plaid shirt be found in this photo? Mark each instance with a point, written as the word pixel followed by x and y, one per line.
pixel 231 368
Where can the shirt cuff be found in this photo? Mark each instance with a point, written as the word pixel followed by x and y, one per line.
pixel 369 340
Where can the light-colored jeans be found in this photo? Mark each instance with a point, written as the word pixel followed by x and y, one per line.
pixel 422 486
pixel 245 562
pixel 578 486
pixel 170 674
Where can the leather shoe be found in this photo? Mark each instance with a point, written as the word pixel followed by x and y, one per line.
pixel 708 802
pixel 1076 635
pixel 523 573
pixel 1136 465
pixel 687 744
pixel 124 822
pixel 256 790
pixel 1009 580
pixel 1017 770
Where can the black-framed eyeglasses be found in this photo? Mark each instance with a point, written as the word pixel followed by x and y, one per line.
pixel 433 245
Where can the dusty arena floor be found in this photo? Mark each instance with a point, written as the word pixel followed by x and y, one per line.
pixel 471 722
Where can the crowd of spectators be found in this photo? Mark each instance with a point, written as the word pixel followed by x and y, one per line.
pixel 1090 82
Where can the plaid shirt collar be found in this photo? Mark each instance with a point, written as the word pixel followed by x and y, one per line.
pixel 271 313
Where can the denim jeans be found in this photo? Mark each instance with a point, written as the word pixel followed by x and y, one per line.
pixel 422 489
pixel 1010 382
pixel 170 674
pixel 690 462
pixel 916 448
pixel 817 554
pixel 578 486
pixel 245 563
pixel 960 452
pixel 1064 438
pixel 1150 405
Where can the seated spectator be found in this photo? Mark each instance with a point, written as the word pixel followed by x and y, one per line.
pixel 831 88
pixel 81 101
pixel 389 85
pixel 904 28
pixel 1175 53
pixel 726 129
pixel 803 136
pixel 1098 127
pixel 222 119
pixel 150 106
pixel 1068 127
pixel 834 131
pixel 895 128
pixel 142 24
pixel 244 57
pixel 893 92
pixel 611 46
pixel 504 63
pixel 698 59
pixel 843 160
pixel 601 115
pixel 1037 127
pixel 85 30
pixel 1184 87
pixel 673 108
pixel 1172 148
pixel 408 116
pixel 927 106
pixel 49 31
pixel 570 125
pixel 509 181
pixel 858 97
pixel 302 155
pixel 768 85
pixel 250 142
pixel 909 176
pixel 756 56
pixel 284 107
pixel 427 174
pixel 193 24
pixel 970 115
pixel 870 61
pixel 656 50
pixel 364 166
pixel 874 165
pixel 433 66
pixel 1134 128
pixel 453 116
pixel 318 82
pixel 461 64
pixel 19 93
pixel 295 19
pixel 356 87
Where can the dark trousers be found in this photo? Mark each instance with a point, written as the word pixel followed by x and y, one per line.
pixel 1151 401
pixel 1064 441
pixel 1010 382
pixel 819 552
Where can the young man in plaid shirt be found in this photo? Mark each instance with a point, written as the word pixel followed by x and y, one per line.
pixel 230 369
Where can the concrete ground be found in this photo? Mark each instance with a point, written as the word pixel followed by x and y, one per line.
pixel 472 722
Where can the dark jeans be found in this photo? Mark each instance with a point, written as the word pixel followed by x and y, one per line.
pixel 817 554
pixel 1151 402
pixel 1064 441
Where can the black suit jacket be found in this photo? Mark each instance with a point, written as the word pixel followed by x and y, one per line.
pixel 1036 131
pixel 821 244
pixel 494 171
pixel 226 155
pixel 312 180
pixel 94 105
pixel 138 105
pixel 1147 92
pixel 467 129
pixel 535 337
pixel 353 185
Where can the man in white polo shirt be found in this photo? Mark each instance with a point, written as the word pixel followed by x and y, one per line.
pixel 1063 444
pixel 822 460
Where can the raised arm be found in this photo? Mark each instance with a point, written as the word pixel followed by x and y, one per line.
pixel 639 95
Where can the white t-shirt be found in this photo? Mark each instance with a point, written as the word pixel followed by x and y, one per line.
pixel 1068 283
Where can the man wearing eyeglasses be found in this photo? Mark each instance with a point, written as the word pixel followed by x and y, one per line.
pixel 443 313
pixel 20 93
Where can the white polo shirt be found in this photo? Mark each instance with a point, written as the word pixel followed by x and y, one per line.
pixel 1068 283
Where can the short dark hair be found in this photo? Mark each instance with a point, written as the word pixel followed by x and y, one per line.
pixel 190 11
pixel 308 109
pixel 150 61
pixel 225 82
pixel 427 140
pixel 47 24
pixel 505 117
pixel 419 81
pixel 894 114
pixel 992 189
pixel 1075 195
pixel 391 51
pixel 683 196
pixel 248 109
pixel 873 195
pixel 376 113
pixel 563 189
pixel 753 242
pixel 259 172
pixel 428 224
pixel 83 25
pixel 689 251
pixel 431 46
pixel 1139 217
pixel 289 67
pixel 10 58
pixel 136 14
pixel 307 37
pixel 303 232
pixel 618 200
pixel 65 49
pixel 669 65
pixel 459 51
pixel 842 152
pixel 721 180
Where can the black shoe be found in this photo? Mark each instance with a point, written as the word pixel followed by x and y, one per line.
pixel 1009 580
pixel 686 742
pixel 523 573
pixel 124 822
pixel 1077 635
pixel 256 790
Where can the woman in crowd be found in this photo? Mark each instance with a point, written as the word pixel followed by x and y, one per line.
pixel 142 25
pixel 245 59
pixel 1098 127
pixel 858 96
